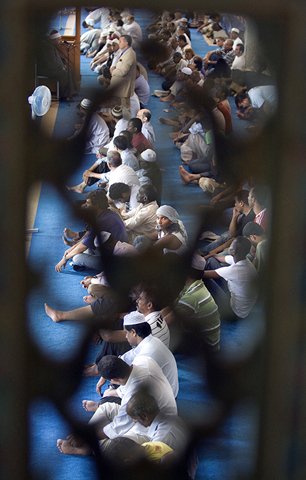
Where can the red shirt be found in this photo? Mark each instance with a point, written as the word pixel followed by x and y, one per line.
pixel 141 143
pixel 261 219
pixel 228 118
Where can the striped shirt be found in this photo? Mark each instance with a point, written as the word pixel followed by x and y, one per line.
pixel 261 219
pixel 159 327
pixel 196 303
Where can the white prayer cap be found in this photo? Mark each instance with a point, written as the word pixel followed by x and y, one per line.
pixel 104 33
pixel 54 34
pixel 183 19
pixel 235 30
pixel 187 70
pixel 134 318
pixel 117 111
pixel 109 42
pixel 169 212
pixel 85 103
pixel 198 262
pixel 118 34
pixel 149 155
pixel 115 40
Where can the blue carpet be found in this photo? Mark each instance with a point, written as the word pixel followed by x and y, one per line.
pixel 231 452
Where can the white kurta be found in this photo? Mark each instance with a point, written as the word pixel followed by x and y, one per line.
pixel 141 220
pixel 145 373
pixel 97 134
pixel 154 348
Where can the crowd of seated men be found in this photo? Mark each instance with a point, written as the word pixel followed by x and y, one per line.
pixel 127 223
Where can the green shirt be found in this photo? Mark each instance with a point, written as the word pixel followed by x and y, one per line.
pixel 196 304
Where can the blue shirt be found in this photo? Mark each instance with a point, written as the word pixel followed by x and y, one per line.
pixel 108 221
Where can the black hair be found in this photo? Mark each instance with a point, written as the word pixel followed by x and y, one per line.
pixel 242 196
pixel 121 449
pixel 198 64
pixel 150 191
pixel 152 295
pixel 110 366
pixel 240 97
pixel 137 123
pixel 141 329
pixel 120 142
pixel 241 46
pixel 261 194
pixel 195 274
pixel 253 228
pixel 98 198
pixel 128 135
pixel 117 189
pixel 243 246
pixel 182 37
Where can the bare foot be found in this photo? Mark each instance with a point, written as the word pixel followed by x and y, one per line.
pixel 168 121
pixel 184 175
pixel 70 243
pixel 90 406
pixel 184 182
pixel 53 314
pixel 71 234
pixel 166 99
pixel 88 299
pixel 90 370
pixel 78 188
pixel 174 135
pixel 65 447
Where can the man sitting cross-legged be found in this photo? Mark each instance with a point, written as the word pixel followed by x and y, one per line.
pixel 242 214
pixel 234 288
pixel 139 141
pixel 195 307
pixel 138 333
pixel 85 253
pixel 142 219
pixel 165 428
pixel 111 420
pixel 114 341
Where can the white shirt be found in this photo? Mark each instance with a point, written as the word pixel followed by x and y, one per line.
pixel 148 132
pixel 241 279
pixel 145 374
pixel 264 93
pixel 154 348
pixel 169 429
pixel 238 63
pixel 236 42
pixel 97 134
pixel 128 158
pixel 123 174
pixel 134 30
pixel 141 220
